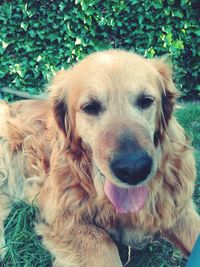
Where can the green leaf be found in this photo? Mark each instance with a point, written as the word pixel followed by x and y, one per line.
pixel 197 32
pixel 177 13
pixel 157 4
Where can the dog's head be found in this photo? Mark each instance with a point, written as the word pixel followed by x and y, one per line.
pixel 117 105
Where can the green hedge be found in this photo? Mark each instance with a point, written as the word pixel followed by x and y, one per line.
pixel 39 37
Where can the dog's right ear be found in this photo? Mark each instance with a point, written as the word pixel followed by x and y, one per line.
pixel 60 114
pixel 58 97
pixel 63 110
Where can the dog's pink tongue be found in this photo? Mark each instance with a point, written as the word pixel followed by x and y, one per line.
pixel 126 199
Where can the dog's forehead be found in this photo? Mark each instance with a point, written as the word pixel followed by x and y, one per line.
pixel 106 59
pixel 115 71
pixel 118 65
pixel 116 61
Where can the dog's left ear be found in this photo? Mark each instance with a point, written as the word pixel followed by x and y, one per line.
pixel 168 90
pixel 169 95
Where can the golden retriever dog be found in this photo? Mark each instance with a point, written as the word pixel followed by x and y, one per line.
pixel 105 158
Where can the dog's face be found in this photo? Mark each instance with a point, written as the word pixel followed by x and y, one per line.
pixel 118 105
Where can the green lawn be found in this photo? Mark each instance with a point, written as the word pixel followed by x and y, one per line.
pixel 24 247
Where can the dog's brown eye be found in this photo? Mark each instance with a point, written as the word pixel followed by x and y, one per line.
pixel 145 102
pixel 93 108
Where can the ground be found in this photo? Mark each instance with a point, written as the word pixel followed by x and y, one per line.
pixel 25 249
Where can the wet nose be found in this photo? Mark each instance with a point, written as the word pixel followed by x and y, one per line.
pixel 132 168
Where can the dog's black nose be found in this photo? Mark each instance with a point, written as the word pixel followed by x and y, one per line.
pixel 132 168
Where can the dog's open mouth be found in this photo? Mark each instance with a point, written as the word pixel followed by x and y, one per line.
pixel 126 199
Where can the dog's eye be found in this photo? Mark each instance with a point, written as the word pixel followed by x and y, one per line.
pixel 93 108
pixel 145 102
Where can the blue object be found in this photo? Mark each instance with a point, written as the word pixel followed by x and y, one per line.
pixel 194 259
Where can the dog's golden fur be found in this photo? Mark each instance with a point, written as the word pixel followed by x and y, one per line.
pixel 53 150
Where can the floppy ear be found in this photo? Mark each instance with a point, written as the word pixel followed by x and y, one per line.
pixel 58 97
pixel 63 111
pixel 64 116
pixel 168 94
pixel 60 112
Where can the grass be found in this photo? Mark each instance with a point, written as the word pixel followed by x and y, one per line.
pixel 24 246
pixel 189 117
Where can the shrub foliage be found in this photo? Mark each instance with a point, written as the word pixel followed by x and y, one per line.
pixel 38 37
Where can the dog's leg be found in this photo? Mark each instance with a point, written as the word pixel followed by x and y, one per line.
pixel 84 246
pixel 186 231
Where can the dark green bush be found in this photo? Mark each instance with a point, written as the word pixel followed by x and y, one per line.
pixel 40 37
